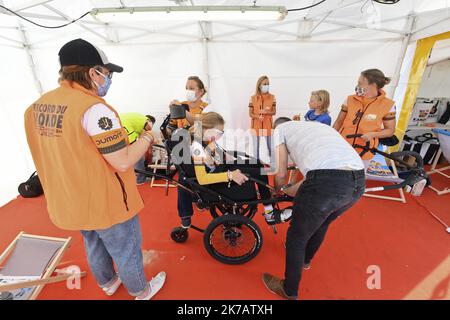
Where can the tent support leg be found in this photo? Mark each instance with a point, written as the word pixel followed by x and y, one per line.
pixel 205 28
pixel 27 49
pixel 406 39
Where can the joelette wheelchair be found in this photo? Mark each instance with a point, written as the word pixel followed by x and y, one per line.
pixel 232 237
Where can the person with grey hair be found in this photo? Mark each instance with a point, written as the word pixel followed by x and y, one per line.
pixel 334 181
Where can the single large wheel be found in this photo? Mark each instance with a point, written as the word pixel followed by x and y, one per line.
pixel 233 239
pixel 179 234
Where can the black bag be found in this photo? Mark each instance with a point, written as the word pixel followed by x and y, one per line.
pixel 390 141
pixel 32 187
pixel 446 115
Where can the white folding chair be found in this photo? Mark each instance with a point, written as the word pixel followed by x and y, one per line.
pixel 28 263
pixel 444 149
pixel 379 170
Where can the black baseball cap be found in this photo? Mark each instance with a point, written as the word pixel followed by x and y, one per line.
pixel 82 53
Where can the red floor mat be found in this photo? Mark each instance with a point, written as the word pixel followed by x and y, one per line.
pixel 402 239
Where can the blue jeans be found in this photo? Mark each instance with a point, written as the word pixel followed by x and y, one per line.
pixel 268 142
pixel 140 165
pixel 119 244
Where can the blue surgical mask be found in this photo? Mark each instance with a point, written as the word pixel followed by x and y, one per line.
pixel 102 90
pixel 264 88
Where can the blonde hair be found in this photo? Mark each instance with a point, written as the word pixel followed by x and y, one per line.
pixel 258 84
pixel 208 120
pixel 324 98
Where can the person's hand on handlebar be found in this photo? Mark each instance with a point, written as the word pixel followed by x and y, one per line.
pixel 237 176
pixel 368 136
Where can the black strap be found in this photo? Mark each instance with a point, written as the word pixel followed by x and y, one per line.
pixel 277 216
pixel 34 173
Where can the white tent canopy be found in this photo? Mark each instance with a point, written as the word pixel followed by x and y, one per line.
pixel 325 47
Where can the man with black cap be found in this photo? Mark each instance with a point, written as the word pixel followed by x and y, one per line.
pixel 85 163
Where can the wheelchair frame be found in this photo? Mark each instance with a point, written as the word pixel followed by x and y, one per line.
pixel 232 220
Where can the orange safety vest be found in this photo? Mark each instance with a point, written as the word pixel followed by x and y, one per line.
pixel 260 103
pixel 82 190
pixel 363 116
pixel 194 109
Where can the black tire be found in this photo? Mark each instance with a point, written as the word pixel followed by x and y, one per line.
pixel 179 234
pixel 232 230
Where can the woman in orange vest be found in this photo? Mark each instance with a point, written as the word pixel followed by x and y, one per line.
pixel 368 112
pixel 85 163
pixel 195 90
pixel 261 109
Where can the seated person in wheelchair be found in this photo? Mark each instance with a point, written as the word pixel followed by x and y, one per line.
pixel 215 168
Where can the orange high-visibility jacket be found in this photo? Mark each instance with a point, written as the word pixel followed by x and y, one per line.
pixel 260 103
pixel 366 115
pixel 82 190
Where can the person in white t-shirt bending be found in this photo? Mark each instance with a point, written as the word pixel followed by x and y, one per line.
pixel 334 182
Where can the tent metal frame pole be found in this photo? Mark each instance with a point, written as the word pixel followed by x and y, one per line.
pixel 267 27
pixel 406 40
pixel 52 18
pixel 247 28
pixel 206 34
pixel 354 26
pixel 67 18
pixel 30 4
pixel 430 25
pixel 11 40
pixel 332 10
pixel 162 31
pixel 318 24
pixel 31 63
pixel 205 28
pixel 363 26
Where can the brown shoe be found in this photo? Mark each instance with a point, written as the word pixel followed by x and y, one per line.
pixel 275 285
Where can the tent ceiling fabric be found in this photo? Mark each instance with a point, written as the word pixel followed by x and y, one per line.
pixel 333 19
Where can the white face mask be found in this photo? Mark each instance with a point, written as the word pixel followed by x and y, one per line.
pixel 190 95
pixel 360 91
pixel 264 88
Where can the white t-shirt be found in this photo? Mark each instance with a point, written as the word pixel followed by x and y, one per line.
pixel 314 146
pixel 103 126
pixel 99 119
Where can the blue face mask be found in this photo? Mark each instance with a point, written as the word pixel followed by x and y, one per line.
pixel 102 90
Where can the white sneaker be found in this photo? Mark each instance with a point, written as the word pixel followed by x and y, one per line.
pixel 110 290
pixel 284 214
pixel 155 285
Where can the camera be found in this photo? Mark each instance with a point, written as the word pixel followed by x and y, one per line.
pixel 178 111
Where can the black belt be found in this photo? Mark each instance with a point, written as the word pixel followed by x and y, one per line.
pixel 355 174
